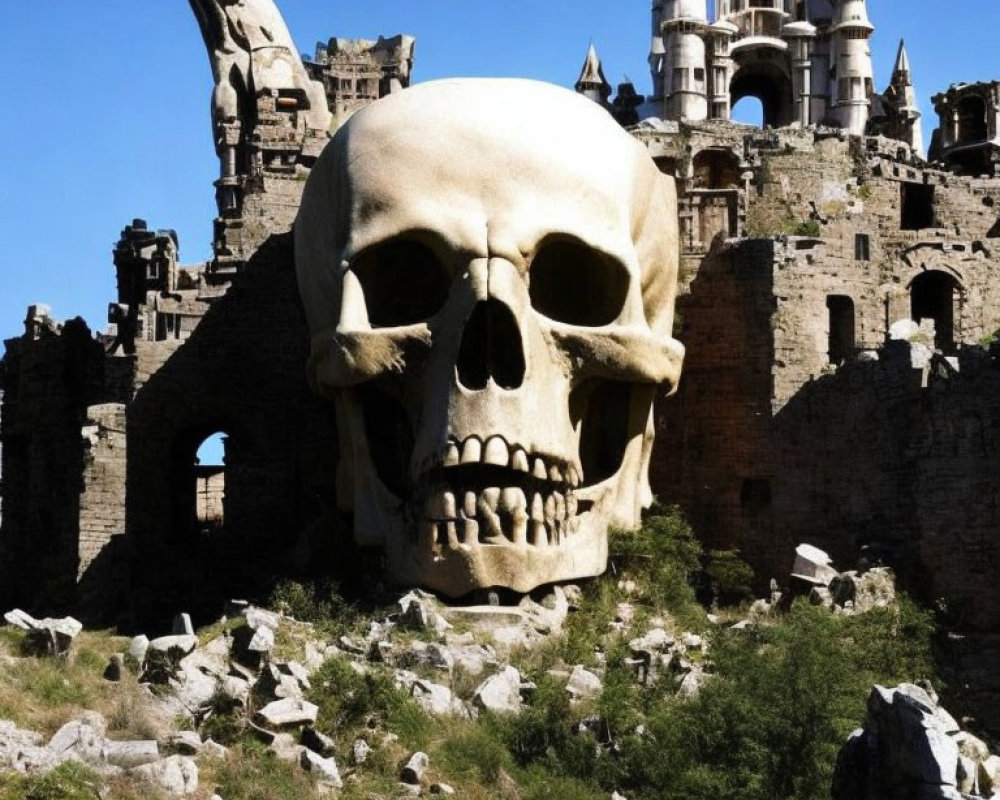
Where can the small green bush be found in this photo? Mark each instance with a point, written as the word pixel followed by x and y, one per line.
pixel 68 781
pixel 321 604
pixel 730 575
pixel 347 698
pixel 252 773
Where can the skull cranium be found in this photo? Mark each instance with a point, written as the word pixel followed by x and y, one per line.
pixel 489 270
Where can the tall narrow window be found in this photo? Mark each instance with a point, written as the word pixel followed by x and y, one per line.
pixel 841 338
pixel 862 247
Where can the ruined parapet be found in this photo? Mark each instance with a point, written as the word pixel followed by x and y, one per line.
pixel 968 136
pixel 356 72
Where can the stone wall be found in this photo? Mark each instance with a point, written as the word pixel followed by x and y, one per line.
pixel 242 373
pixel 780 433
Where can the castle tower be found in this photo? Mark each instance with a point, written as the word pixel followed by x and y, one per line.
pixel 592 84
pixel 853 75
pixel 901 97
pixel 685 87
pixel 800 37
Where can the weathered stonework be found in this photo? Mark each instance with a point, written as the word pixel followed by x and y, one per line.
pixel 836 290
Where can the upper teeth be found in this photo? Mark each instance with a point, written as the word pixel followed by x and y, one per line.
pixel 497 452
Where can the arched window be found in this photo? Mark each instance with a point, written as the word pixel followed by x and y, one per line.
pixel 210 483
pixel 200 462
pixel 936 295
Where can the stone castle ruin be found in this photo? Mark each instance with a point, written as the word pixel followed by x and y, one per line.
pixel 836 304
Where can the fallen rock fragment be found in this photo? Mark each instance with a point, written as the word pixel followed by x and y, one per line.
pixel 287 713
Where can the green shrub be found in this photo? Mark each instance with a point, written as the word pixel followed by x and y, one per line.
pixel 252 773
pixel 68 781
pixel 347 698
pixel 664 558
pixel 784 698
pixel 730 575
pixel 320 604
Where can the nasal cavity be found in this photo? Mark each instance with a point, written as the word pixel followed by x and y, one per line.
pixel 491 348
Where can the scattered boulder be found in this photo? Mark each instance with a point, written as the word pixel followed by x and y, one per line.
pixel 910 747
pixel 287 713
pixel 583 683
pixel 324 769
pixel 501 693
pixel 176 775
pixel 413 771
pixel 812 565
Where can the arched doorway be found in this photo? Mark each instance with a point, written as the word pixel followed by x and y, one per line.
pixel 937 295
pixel 766 81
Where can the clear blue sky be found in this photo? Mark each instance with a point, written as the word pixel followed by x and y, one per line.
pixel 105 106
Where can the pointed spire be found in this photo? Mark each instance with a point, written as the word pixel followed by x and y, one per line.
pixel 592 82
pixel 902 67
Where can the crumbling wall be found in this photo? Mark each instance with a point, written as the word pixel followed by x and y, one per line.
pixel 51 376
pixel 242 373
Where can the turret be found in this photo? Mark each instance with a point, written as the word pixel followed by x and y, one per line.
pixel 800 36
pixel 592 84
pixel 685 85
pixel 853 78
pixel 902 96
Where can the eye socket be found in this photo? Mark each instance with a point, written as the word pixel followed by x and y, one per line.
pixel 577 285
pixel 404 282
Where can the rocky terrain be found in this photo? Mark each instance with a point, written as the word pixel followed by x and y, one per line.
pixel 553 697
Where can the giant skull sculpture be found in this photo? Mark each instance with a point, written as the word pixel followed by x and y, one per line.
pixel 489 270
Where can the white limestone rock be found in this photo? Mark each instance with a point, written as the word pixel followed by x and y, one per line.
pixel 583 683
pixel 177 775
pixel 501 693
pixel 323 769
pixel 287 713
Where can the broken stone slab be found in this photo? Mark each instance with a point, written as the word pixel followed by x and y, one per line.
pixel 183 743
pixel 501 693
pixel 287 713
pixel 436 699
pixel 323 769
pixel 275 684
pixel 21 619
pixel 813 566
pixel 583 683
pixel 418 612
pixel 657 640
pixel 413 771
pixel 690 685
pixel 175 774
pixel 128 755
pixel 441 788
pixel 258 618
pixel 262 641
pixel 317 741
pixel 137 650
pixel 81 739
pixel 176 646
pixel 48 636
pixel 182 625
